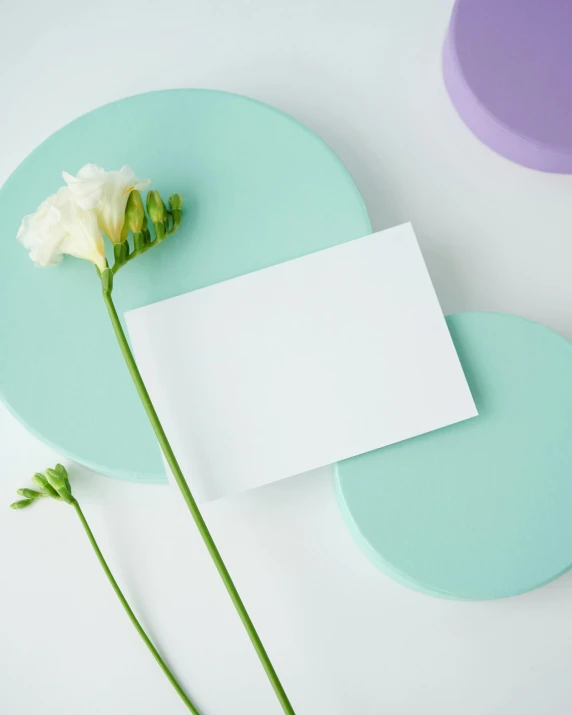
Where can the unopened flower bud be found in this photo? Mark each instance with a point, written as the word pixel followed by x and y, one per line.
pixel 59 481
pixel 41 482
pixel 54 479
pixel 176 205
pixel 176 202
pixel 29 493
pixel 124 232
pixel 155 207
pixel 60 469
pixel 21 504
pixel 134 212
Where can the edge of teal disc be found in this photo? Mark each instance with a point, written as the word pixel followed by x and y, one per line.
pixel 375 558
pixel 155 474
pixel 393 571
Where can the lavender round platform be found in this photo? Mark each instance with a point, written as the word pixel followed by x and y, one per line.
pixel 507 67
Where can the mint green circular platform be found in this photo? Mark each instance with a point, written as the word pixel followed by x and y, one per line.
pixel 481 509
pixel 259 188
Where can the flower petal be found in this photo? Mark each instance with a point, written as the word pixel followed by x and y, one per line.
pixel 61 226
pixel 87 186
pixel 106 192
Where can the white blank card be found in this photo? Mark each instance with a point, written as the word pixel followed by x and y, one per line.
pixel 301 365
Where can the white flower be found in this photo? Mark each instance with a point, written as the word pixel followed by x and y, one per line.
pixel 106 192
pixel 61 226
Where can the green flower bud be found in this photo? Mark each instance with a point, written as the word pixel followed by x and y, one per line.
pixel 41 482
pixel 58 480
pixel 55 479
pixel 155 207
pixel 29 493
pixel 60 469
pixel 176 202
pixel 22 504
pixel 124 232
pixel 135 212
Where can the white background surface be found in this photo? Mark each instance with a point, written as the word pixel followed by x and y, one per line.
pixel 365 75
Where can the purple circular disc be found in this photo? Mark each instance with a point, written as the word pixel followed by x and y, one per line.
pixel 507 67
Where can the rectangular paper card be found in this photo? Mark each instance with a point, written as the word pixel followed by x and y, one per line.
pixel 301 365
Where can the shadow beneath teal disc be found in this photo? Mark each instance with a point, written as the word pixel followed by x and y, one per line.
pixel 480 509
pixel 259 188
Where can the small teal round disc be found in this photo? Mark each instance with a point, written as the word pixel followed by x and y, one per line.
pixel 480 509
pixel 259 188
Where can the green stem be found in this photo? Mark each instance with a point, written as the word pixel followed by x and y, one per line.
pixel 192 505
pixel 130 613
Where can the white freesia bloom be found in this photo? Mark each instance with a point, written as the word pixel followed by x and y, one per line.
pixel 61 226
pixel 106 192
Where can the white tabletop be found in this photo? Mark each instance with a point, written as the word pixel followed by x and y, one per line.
pixel 365 75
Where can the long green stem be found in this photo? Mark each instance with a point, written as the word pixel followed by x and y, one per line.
pixel 192 505
pixel 130 613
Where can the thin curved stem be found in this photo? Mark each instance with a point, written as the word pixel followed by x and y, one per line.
pixel 192 505
pixel 130 613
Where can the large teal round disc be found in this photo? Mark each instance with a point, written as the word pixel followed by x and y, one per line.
pixel 259 188
pixel 480 509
